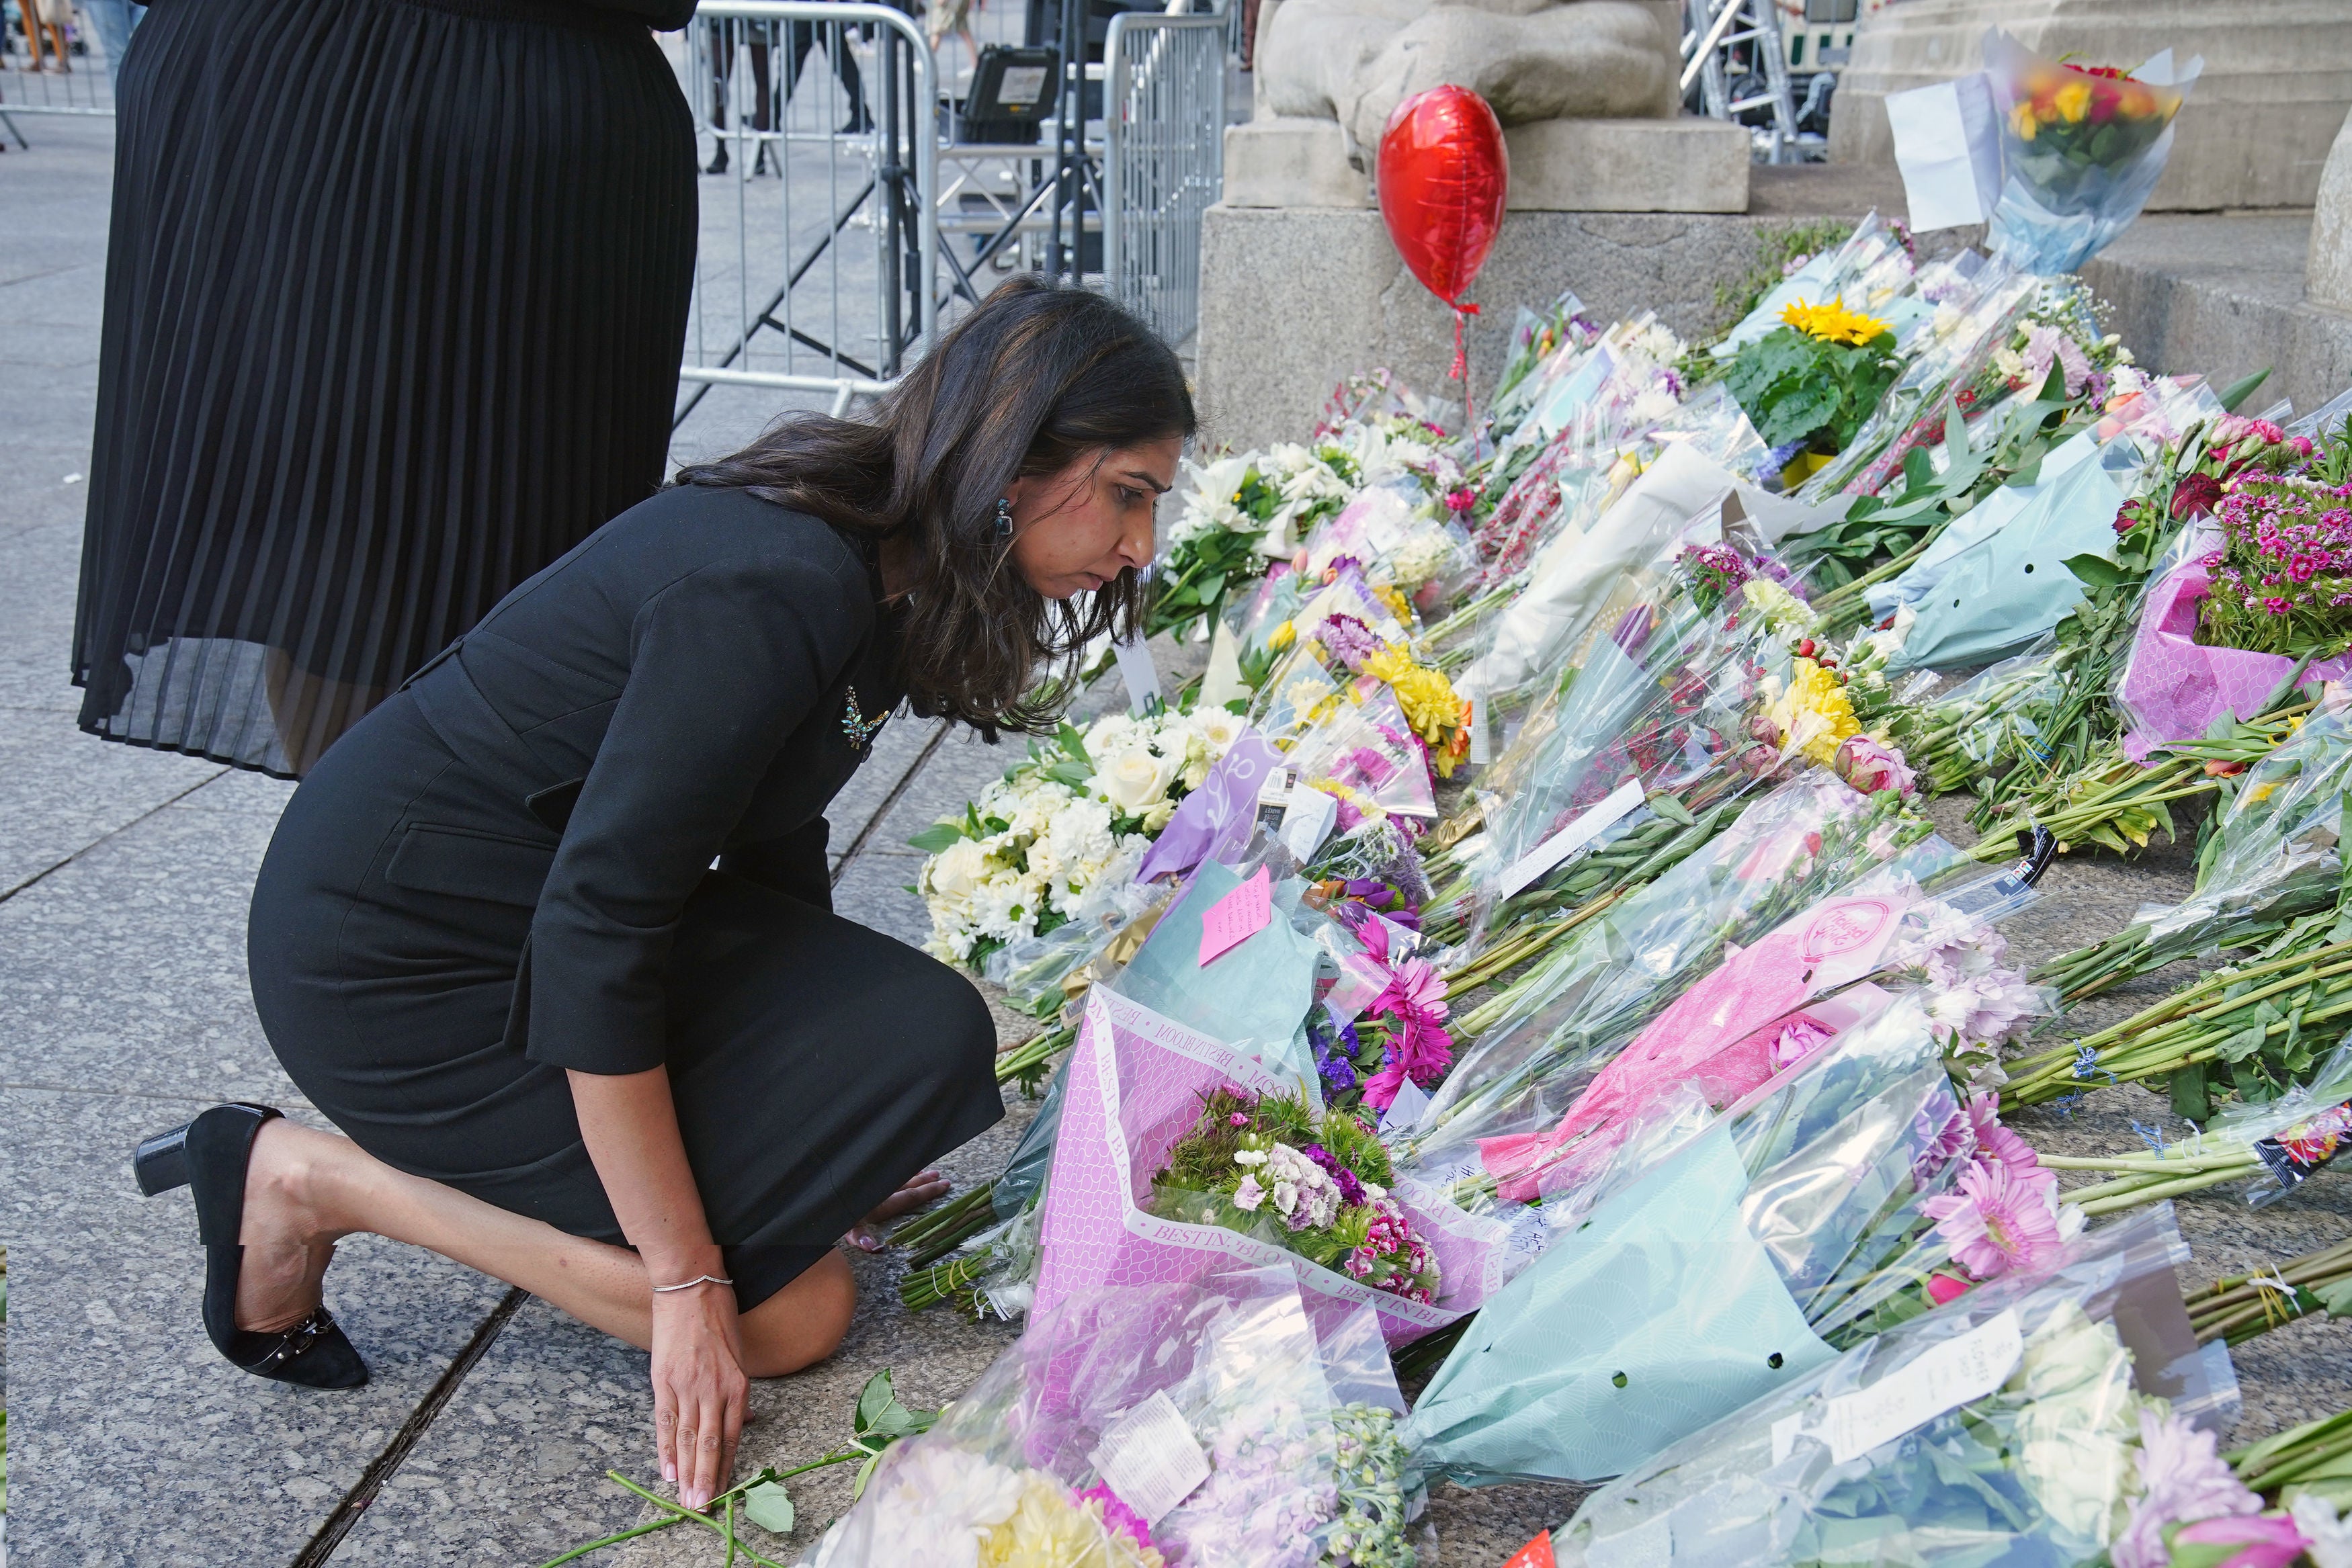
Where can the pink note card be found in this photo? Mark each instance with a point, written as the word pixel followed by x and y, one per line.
pixel 1236 917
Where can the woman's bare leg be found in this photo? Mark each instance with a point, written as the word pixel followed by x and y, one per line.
pixel 305 1190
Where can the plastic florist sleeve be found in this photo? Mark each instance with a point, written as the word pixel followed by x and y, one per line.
pixel 2010 1426
pixel 1585 1000
pixel 1703 1283
pixel 2273 856
pixel 2082 148
pixel 1747 1020
pixel 1206 1423
pixel 1140 1088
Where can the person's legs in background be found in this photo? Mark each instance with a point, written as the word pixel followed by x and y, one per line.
pixel 113 21
pixel 831 37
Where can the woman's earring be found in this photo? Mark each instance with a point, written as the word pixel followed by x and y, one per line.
pixel 1004 521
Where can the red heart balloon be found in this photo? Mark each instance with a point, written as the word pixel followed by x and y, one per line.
pixel 1444 177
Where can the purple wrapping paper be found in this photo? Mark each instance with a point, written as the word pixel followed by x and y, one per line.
pixel 2173 689
pixel 1134 1089
pixel 1214 821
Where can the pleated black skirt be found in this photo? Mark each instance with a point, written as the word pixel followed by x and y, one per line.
pixel 394 300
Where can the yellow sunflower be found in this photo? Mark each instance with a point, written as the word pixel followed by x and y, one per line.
pixel 1833 322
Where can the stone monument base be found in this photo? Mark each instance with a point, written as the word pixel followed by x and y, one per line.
pixel 1681 166
pixel 2254 133
pixel 1295 299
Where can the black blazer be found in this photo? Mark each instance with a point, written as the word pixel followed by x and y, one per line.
pixel 691 684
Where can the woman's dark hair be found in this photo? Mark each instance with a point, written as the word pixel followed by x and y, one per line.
pixel 1035 379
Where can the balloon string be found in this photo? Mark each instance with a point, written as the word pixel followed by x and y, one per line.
pixel 1461 371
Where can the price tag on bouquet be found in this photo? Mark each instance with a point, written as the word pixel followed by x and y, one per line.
pixel 1150 1459
pixel 1589 824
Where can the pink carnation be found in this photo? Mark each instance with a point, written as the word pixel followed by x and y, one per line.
pixel 2186 1481
pixel 1117 1515
pixel 1995 1223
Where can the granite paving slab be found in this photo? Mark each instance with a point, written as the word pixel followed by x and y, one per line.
pixel 36 620
pixel 132 1442
pixel 62 791
pixel 127 969
pixel 513 1470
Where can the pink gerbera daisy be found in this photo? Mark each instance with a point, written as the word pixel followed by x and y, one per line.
pixel 1997 1221
pixel 1997 1144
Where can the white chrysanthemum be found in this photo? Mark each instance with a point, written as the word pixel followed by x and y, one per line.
pixel 1655 406
pixel 1006 905
pixel 1657 343
pixel 1080 840
pixel 934 1505
pixel 1114 732
pixel 1218 729
pixel 1783 610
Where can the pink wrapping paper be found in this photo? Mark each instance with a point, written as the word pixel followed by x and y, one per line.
pixel 1135 1087
pixel 2173 690
pixel 1717 1035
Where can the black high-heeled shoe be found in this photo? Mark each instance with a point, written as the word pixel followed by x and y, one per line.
pixel 210 1155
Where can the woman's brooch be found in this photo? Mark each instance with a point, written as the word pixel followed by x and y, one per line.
pixel 860 729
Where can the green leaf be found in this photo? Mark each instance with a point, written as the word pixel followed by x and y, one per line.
pixel 1672 810
pixel 937 837
pixel 2192 1099
pixel 2335 1296
pixel 1074 741
pixel 2095 571
pixel 2238 392
pixel 881 1420
pixel 769 1506
pixel 1918 473
pixel 2244 1043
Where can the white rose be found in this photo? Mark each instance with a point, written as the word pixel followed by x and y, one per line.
pixel 1135 781
pixel 956 870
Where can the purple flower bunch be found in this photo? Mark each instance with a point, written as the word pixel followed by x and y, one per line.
pixel 2282 580
pixel 1351 1189
pixel 1348 640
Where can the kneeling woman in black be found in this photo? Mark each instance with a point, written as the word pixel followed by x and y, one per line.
pixel 548 934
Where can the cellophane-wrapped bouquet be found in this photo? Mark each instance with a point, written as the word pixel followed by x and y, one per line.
pixel 1069 822
pixel 1748 1020
pixel 1845 1194
pixel 1538 1042
pixel 1209 1424
pixel 1134 1099
pixel 1672 699
pixel 2082 150
pixel 2054 1417
pixel 1279 1166
pixel 2271 859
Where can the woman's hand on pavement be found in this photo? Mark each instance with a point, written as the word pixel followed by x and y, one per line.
pixel 700 1394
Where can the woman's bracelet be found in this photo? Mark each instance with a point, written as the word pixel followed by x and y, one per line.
pixel 690 1284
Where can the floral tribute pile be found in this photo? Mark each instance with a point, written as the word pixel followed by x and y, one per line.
pixel 1530 916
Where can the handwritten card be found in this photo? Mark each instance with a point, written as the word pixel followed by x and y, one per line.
pixel 1236 917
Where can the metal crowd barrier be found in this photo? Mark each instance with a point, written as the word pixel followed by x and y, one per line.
pixel 1163 161
pixel 55 59
pixel 820 278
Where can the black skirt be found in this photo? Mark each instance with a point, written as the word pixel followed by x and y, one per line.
pixel 396 296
